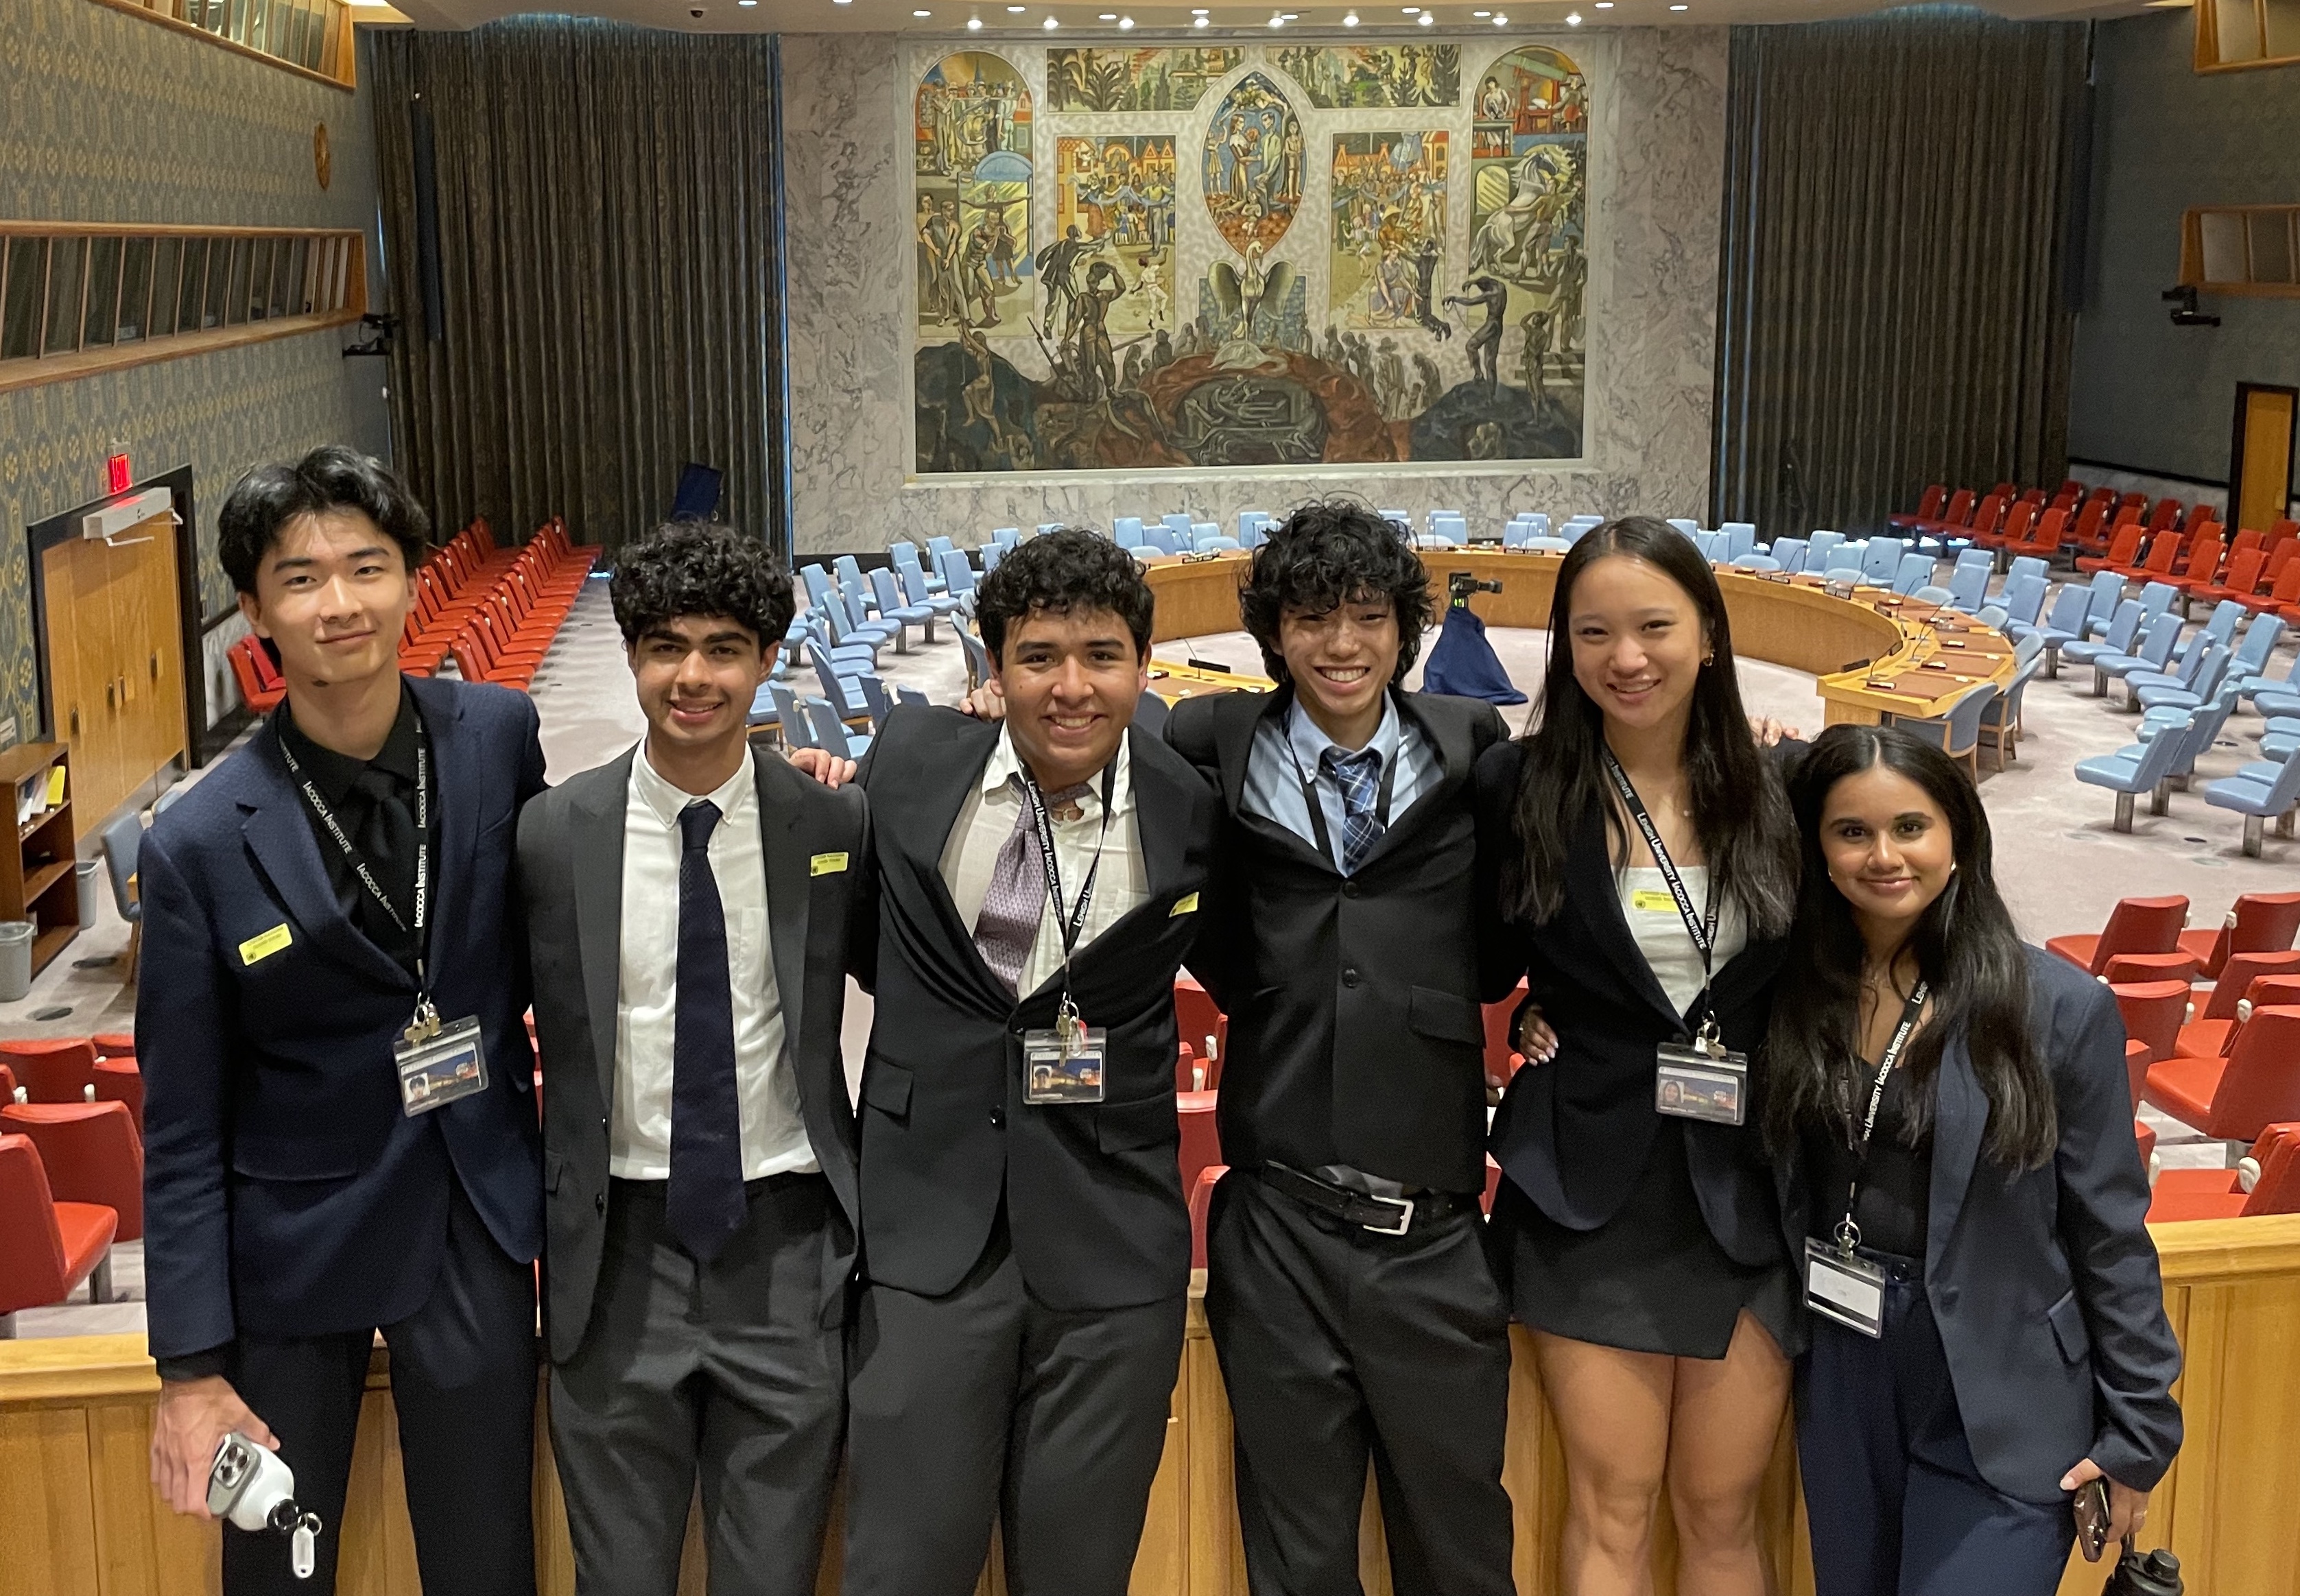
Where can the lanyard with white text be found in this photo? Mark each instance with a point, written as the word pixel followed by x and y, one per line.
pixel 310 792
pixel 1703 935
pixel 1848 1234
pixel 1309 788
pixel 1072 923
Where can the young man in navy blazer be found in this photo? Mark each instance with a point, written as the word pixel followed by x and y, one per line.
pixel 320 1162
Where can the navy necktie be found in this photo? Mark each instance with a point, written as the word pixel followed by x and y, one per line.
pixel 1359 776
pixel 705 1204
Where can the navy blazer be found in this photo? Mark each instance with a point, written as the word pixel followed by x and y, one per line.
pixel 285 1194
pixel 1574 1134
pixel 2043 1282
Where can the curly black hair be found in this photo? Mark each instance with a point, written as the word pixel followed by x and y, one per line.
pixel 701 568
pixel 1059 572
pixel 332 477
pixel 1328 552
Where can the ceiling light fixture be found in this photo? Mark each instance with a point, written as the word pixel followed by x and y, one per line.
pixel 1125 24
pixel 1276 20
pixel 1500 19
pixel 974 24
pixel 1426 18
pixel 1198 22
pixel 1350 21
pixel 1108 16
pixel 1481 15
pixel 1573 18
pixel 1050 24
pixel 915 14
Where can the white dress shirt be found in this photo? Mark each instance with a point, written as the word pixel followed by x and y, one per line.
pixel 970 856
pixel 1274 771
pixel 647 1002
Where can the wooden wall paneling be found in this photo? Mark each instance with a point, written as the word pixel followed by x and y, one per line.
pixel 1217 1551
pixel 140 1544
pixel 1162 1562
pixel 47 1534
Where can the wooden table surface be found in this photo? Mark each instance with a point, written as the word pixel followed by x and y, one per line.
pixel 1873 654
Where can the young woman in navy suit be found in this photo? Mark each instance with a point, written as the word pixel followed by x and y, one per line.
pixel 1988 1339
pixel 1647 866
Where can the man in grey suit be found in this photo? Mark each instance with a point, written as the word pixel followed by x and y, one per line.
pixel 687 913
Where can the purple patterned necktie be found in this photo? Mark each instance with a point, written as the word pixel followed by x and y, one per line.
pixel 1008 922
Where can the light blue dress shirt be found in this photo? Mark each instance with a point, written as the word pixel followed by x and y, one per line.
pixel 1273 781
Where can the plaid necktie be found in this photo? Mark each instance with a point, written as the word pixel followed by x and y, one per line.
pixel 1007 923
pixel 1358 776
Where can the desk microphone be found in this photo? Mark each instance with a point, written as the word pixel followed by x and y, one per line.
pixel 1926 625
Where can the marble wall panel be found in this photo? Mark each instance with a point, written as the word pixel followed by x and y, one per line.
pixel 1656 177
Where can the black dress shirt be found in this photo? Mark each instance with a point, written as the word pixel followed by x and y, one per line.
pixel 374 801
pixel 1893 1208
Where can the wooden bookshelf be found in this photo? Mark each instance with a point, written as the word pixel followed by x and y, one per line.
pixel 2242 249
pixel 2233 36
pixel 36 882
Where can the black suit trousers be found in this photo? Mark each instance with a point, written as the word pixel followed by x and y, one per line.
pixel 984 1402
pixel 462 1382
pixel 1340 1346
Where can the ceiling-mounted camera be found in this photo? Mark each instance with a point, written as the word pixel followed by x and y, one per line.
pixel 2185 313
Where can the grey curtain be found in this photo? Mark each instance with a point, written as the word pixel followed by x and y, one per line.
pixel 606 271
pixel 1892 310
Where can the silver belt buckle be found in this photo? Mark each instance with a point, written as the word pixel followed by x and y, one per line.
pixel 1404 1205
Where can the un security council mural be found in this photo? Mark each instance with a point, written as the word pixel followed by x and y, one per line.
pixel 1190 259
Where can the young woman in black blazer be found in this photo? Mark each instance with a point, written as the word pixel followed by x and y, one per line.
pixel 1644 1246
pixel 1987 1326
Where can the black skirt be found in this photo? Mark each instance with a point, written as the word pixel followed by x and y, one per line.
pixel 1650 1279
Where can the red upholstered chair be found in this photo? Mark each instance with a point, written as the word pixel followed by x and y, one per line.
pixel 1501 1058
pixel 1201 1141
pixel 114 1045
pixel 2236 1098
pixel 2154 1013
pixel 2136 925
pixel 2265 1182
pixel 1201 1202
pixel 91 1152
pixel 1186 1070
pixel 1195 1014
pixel 59 1070
pixel 1493 1184
pixel 2257 923
pixel 121 1080
pixel 2214 1037
pixel 2136 1060
pixel 2123 549
pixel 46 1247
pixel 2127 968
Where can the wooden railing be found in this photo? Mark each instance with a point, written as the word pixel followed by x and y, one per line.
pixel 75 1423
pixel 313 37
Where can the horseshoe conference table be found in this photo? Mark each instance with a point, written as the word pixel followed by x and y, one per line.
pixel 1873 653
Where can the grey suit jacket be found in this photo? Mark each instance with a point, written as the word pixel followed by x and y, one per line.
pixel 570 872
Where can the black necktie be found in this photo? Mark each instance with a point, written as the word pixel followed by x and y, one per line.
pixel 705 1204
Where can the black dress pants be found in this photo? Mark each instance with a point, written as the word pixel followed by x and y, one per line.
pixel 462 1381
pixel 1339 1344
pixel 985 1403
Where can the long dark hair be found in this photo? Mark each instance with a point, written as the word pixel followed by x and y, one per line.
pixel 1966 950
pixel 1740 808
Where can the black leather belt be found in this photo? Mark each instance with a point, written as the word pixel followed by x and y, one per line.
pixel 1384 1216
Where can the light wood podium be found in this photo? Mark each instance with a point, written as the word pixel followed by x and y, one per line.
pixel 81 1520
pixel 1906 658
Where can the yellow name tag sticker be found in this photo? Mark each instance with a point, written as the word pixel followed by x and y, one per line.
pixel 1655 903
pixel 826 864
pixel 1186 904
pixel 264 944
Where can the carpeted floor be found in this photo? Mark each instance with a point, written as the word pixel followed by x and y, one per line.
pixel 2060 864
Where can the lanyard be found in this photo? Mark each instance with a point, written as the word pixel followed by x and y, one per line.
pixel 1309 788
pixel 359 866
pixel 1848 1234
pixel 1703 935
pixel 1074 922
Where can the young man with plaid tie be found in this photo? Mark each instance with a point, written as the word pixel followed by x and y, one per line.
pixel 1026 1248
pixel 1347 1288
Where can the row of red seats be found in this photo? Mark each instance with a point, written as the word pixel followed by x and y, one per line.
pixel 503 637
pixel 72 1167
pixel 2156 929
pixel 2266 1182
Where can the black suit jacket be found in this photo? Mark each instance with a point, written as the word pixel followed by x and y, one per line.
pixel 285 1194
pixel 2043 1282
pixel 1574 1134
pixel 1092 1192
pixel 1355 1035
pixel 570 871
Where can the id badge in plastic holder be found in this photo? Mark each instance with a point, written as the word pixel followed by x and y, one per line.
pixel 1844 1287
pixel 1053 1072
pixel 1697 1081
pixel 447 1064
